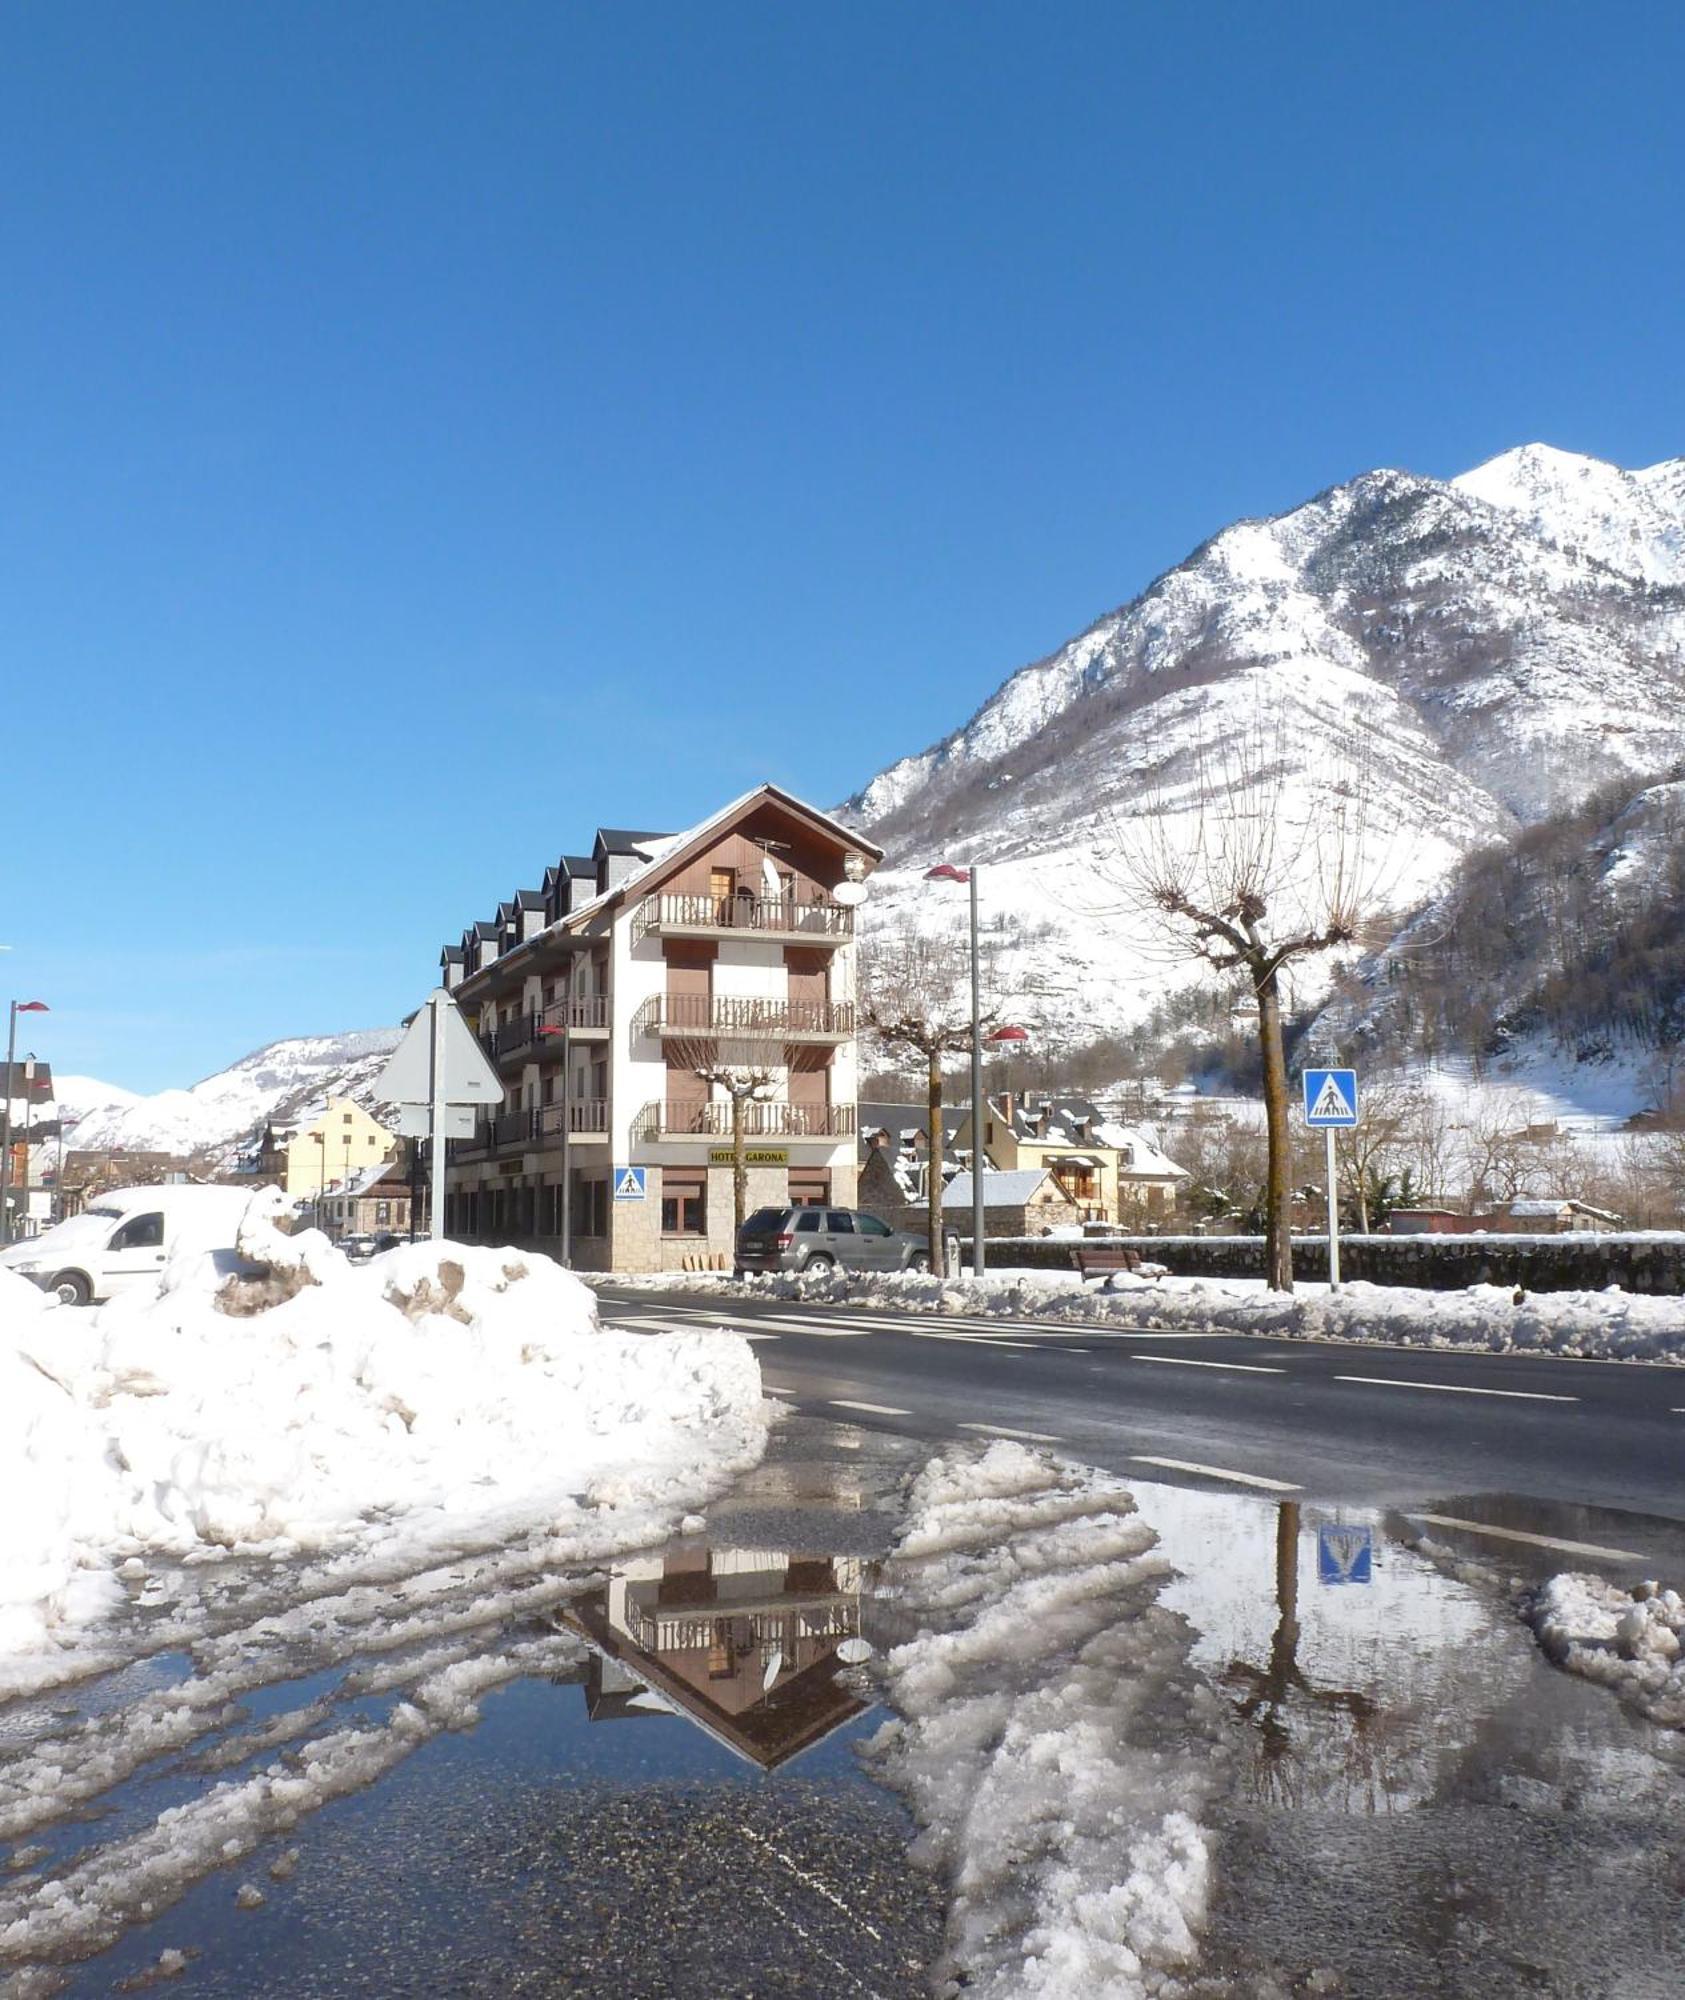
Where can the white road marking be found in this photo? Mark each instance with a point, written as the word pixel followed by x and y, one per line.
pixel 1217 1472
pixel 976 1339
pixel 1458 1388
pixel 1186 1361
pixel 1005 1431
pixel 875 1409
pixel 1533 1541
pixel 777 1389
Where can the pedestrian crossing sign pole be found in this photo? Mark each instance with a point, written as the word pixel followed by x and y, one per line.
pixel 1331 1106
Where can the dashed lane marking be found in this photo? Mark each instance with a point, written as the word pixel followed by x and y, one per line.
pixel 1006 1431
pixel 778 1389
pixel 1458 1389
pixel 1217 1472
pixel 1185 1361
pixel 978 1340
pixel 873 1409
pixel 1520 1535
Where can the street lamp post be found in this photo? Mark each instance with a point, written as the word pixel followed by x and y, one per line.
pixel 17 1007
pixel 946 872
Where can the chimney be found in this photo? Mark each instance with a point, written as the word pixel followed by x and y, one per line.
pixel 1006 1103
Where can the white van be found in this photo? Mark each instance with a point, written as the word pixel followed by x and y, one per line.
pixel 125 1239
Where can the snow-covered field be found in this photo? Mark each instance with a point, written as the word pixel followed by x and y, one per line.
pixel 1051 1739
pixel 433 1403
pixel 1610 1325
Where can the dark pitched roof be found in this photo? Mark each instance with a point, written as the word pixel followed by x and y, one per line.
pixel 530 899
pixel 622 840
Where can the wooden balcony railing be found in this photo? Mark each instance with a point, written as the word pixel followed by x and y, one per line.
pixel 705 916
pixel 712 1120
pixel 726 1014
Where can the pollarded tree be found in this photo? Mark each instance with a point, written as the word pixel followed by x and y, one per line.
pixel 1251 870
pixel 915 998
pixel 741 1070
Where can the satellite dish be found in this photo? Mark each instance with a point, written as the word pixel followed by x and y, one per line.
pixel 772 1667
pixel 849 894
pixel 855 1651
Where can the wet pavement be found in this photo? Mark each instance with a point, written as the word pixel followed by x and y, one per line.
pixel 646 1781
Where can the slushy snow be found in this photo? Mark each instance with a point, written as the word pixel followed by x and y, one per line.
pixel 1610 1325
pixel 1052 1741
pixel 1628 1640
pixel 434 1402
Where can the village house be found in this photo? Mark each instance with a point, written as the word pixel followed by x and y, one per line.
pixel 376 1202
pixel 323 1149
pixel 604 995
pixel 1108 1172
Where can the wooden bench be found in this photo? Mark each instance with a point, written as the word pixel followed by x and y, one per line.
pixel 1099 1257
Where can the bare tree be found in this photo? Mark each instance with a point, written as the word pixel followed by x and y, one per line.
pixel 1251 871
pixel 738 1068
pixel 915 998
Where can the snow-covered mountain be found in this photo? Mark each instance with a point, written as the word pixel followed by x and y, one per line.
pixel 1469 656
pixel 215 1118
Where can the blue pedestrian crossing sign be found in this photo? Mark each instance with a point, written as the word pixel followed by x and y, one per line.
pixel 629 1183
pixel 1344 1554
pixel 1330 1097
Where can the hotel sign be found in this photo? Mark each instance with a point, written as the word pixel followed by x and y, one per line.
pixel 753 1156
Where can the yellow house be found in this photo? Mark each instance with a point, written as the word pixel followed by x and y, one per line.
pixel 1111 1172
pixel 325 1149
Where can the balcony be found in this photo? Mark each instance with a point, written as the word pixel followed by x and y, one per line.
pixel 585 1118
pixel 712 1120
pixel 735 916
pixel 698 1014
pixel 543 1033
pixel 587 1016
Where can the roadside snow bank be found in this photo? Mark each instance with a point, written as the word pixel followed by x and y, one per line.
pixel 435 1400
pixel 1629 1640
pixel 1052 1741
pixel 1610 1325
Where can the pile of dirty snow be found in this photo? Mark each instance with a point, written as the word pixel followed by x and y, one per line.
pixel 1628 1639
pixel 435 1400
pixel 1609 1325
pixel 1052 1740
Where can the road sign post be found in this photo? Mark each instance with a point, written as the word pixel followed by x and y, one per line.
pixel 1331 1105
pixel 440 1067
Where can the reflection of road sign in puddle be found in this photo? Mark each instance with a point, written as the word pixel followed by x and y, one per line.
pixel 1344 1554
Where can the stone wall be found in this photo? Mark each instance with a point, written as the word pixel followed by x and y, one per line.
pixel 1652 1264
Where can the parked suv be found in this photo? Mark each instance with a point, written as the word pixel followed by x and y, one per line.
pixel 821 1239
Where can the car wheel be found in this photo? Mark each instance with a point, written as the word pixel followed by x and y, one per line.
pixel 919 1261
pixel 820 1262
pixel 70 1288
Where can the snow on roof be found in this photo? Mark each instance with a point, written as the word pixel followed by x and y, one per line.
pixel 1010 1189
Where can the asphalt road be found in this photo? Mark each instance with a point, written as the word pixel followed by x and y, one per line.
pixel 1571 1451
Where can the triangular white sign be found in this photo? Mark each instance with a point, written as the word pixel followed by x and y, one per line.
pixel 1331 1100
pixel 468 1075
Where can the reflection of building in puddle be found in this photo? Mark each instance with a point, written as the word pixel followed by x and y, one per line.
pixel 749 1644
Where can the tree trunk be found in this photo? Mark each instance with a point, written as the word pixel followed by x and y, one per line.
pixel 739 1166
pixel 1278 1198
pixel 933 1166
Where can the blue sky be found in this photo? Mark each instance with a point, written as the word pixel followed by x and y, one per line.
pixel 431 431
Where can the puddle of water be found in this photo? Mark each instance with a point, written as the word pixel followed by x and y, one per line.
pixel 687 1760
pixel 1423 1805
pixel 662 1793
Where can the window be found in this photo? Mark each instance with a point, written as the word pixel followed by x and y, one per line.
pixel 382 1214
pixel 839 1222
pixel 809 1190
pixel 809 1221
pixel 684 1204
pixel 346 1117
pixel 870 1225
pixel 140 1232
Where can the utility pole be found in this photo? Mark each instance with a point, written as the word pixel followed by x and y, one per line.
pixel 17 1007
pixel 977 1154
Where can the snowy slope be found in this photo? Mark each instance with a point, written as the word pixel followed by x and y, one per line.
pixel 214 1118
pixel 1466 656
